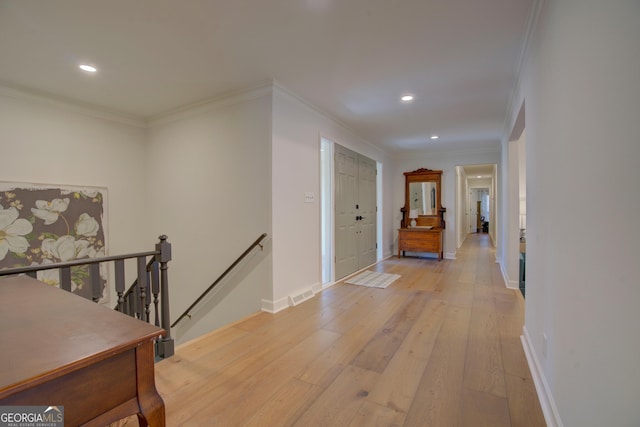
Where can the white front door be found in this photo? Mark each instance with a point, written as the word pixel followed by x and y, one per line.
pixel 355 211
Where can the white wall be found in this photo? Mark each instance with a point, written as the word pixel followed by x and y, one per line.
pixel 47 142
pixel 447 162
pixel 297 128
pixel 209 190
pixel 580 86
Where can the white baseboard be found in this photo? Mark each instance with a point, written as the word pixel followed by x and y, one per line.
pixel 449 255
pixel 317 288
pixel 549 408
pixel 511 284
pixel 275 306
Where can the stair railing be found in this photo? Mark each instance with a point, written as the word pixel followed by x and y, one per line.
pixel 187 312
pixel 152 279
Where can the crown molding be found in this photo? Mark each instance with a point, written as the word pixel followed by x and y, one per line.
pixel 444 153
pixel 65 104
pixel 532 20
pixel 317 110
pixel 258 90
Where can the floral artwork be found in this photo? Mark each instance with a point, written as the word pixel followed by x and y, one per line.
pixel 45 225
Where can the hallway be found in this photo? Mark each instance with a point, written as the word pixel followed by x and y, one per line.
pixel 439 347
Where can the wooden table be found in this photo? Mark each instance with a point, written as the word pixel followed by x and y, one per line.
pixel 60 349
pixel 417 239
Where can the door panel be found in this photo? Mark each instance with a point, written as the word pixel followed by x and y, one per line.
pixel 346 171
pixel 367 236
pixel 355 211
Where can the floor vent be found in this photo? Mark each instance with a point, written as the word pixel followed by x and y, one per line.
pixel 297 299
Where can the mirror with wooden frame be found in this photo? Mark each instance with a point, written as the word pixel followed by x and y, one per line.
pixel 423 194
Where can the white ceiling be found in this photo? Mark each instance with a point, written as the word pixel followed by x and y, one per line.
pixel 474 171
pixel 352 59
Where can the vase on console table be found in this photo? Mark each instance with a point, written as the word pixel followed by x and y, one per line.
pixel 413 214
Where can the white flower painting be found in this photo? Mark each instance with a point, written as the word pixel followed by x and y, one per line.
pixel 50 211
pixel 12 232
pixel 46 225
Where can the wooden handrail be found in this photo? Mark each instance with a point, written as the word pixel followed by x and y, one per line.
pixel 67 264
pixel 219 279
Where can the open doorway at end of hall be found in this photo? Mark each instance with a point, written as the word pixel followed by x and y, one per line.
pixel 480 207
pixel 349 214
pixel 476 188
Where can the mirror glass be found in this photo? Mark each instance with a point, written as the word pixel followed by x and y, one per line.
pixel 423 196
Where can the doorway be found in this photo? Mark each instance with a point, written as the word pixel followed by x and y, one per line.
pixel 354 211
pixel 479 210
pixel 476 188
pixel 350 221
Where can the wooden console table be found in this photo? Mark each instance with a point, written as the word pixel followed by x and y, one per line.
pixel 420 240
pixel 59 349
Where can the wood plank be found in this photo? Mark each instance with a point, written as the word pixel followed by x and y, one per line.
pixel 437 398
pixel 368 300
pixel 341 401
pixel 514 360
pixel 234 364
pixel 214 385
pixel 373 415
pixel 455 293
pixel 480 409
pixel 397 385
pixel 383 345
pixel 328 365
pixel 286 405
pixel 524 406
pixel 248 397
pixel 468 272
pixel 483 368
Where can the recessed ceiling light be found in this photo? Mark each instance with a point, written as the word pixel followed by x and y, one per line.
pixel 434 137
pixel 407 98
pixel 479 176
pixel 88 68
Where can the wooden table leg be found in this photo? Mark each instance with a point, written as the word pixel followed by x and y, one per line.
pixel 151 404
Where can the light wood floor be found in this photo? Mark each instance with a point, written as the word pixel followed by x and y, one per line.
pixel 439 347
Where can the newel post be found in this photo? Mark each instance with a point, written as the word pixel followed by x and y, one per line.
pixel 165 344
